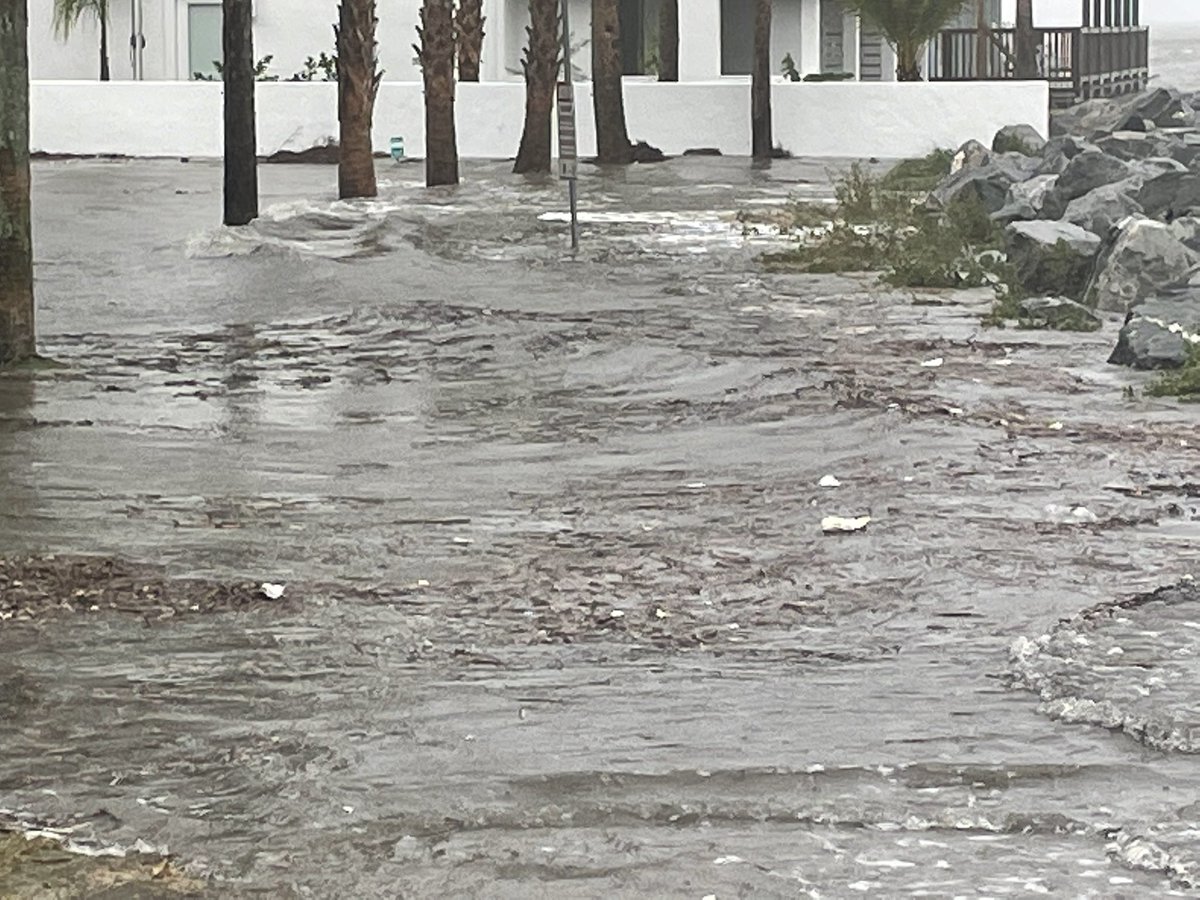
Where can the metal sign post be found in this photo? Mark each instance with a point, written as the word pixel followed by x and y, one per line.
pixel 568 154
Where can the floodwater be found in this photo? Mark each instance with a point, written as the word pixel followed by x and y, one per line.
pixel 562 621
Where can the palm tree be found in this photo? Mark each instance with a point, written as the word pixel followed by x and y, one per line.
pixel 668 40
pixel 358 85
pixel 1026 40
pixel 67 14
pixel 436 54
pixel 608 100
pixel 241 158
pixel 469 22
pixel 908 25
pixel 760 83
pixel 541 67
pixel 16 241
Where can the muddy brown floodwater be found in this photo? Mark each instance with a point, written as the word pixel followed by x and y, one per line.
pixel 561 620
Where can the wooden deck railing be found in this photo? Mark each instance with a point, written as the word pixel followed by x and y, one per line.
pixel 1087 62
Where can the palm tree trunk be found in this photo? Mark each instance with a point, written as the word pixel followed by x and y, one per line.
pixel 436 53
pixel 908 61
pixel 241 158
pixel 469 22
pixel 612 136
pixel 102 13
pixel 541 67
pixel 358 85
pixel 760 86
pixel 16 239
pixel 668 40
pixel 1027 66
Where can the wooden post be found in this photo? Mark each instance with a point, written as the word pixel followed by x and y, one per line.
pixel 982 43
pixel 1026 42
pixel 241 155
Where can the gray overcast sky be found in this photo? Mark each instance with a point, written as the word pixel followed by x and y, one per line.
pixel 1066 12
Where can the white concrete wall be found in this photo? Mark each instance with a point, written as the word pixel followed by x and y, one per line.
pixel 811 119
pixel 290 30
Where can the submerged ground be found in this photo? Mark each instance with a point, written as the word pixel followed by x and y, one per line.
pixel 560 620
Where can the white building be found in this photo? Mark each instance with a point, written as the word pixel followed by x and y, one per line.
pixel 158 108
pixel 178 38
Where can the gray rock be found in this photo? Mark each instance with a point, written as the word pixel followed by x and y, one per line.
pixel 1025 199
pixel 1051 257
pixel 1187 230
pixel 971 155
pixel 988 183
pixel 1133 145
pixel 1099 210
pixel 1085 172
pixel 1161 108
pixel 1057 314
pixel 1165 108
pixel 1018 138
pixel 1171 195
pixel 1161 333
pixel 1099 116
pixel 1059 151
pixel 1145 259
pixel 1157 165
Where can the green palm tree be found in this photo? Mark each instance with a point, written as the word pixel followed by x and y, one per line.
pixel 908 25
pixel 67 14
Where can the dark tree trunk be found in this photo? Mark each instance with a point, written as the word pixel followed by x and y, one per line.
pixel 16 239
pixel 104 73
pixel 469 22
pixel 436 53
pixel 241 159
pixel 1027 65
pixel 760 86
pixel 541 66
pixel 908 61
pixel 612 137
pixel 668 41
pixel 358 85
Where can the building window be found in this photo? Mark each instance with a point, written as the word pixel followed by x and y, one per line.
pixel 639 36
pixel 204 40
pixel 737 37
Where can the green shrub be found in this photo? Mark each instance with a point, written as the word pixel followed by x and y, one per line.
pixel 1183 383
pixel 918 175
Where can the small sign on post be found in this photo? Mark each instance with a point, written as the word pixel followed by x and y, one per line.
pixel 568 154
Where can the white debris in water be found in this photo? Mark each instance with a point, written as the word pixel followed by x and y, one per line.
pixel 843 525
pixel 1055 426
pixel 695 485
pixel 1069 515
pixel 829 481
pixel 885 863
pixel 726 860
pixel 617 614
pixel 935 363
pixel 661 613
pixel 271 591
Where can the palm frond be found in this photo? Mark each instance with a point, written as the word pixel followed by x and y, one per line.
pixel 908 21
pixel 67 14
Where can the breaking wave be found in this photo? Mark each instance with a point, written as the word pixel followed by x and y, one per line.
pixel 1132 667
